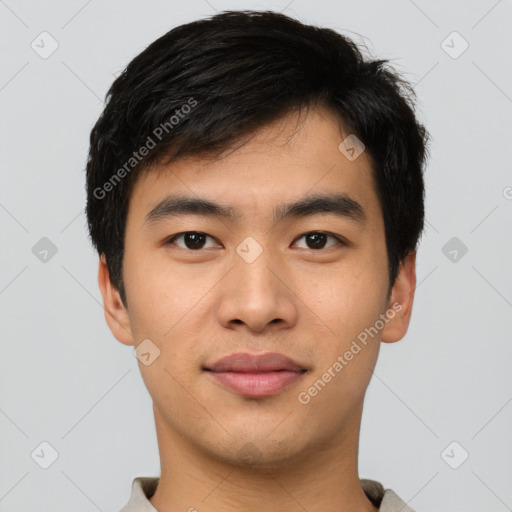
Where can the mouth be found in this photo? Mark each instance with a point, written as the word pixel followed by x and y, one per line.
pixel 256 376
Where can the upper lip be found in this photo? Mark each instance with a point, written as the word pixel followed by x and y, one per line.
pixel 251 363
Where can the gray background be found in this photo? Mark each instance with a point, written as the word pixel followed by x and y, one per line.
pixel 65 380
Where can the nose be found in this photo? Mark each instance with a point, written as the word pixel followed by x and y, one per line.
pixel 258 295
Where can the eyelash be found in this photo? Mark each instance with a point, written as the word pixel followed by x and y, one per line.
pixel 340 240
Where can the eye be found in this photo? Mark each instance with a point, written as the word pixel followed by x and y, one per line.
pixel 317 240
pixel 196 240
pixel 193 240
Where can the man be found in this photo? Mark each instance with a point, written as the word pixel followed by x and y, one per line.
pixel 255 194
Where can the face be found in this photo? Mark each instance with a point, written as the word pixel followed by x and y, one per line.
pixel 308 285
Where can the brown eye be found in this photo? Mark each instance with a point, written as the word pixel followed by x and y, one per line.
pixel 192 240
pixel 318 239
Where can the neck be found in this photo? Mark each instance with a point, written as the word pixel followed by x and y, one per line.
pixel 324 478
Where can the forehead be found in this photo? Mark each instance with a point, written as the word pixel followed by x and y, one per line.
pixel 280 163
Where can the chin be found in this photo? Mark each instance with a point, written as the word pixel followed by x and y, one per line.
pixel 258 451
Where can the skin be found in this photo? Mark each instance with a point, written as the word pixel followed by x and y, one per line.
pixel 198 305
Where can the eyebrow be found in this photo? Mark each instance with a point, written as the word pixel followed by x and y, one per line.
pixel 339 204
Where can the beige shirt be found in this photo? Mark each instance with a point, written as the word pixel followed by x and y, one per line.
pixel 144 487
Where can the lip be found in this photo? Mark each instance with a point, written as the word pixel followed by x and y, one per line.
pixel 256 376
pixel 253 363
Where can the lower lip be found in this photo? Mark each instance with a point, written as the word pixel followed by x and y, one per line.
pixel 257 385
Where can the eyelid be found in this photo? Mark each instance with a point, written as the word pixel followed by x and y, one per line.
pixel 170 240
pixel 341 241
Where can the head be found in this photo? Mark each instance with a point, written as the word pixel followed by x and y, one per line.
pixel 207 137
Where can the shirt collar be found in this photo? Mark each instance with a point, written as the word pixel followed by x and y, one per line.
pixel 144 487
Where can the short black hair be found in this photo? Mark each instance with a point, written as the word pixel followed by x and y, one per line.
pixel 206 85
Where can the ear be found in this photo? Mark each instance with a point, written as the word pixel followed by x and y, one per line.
pixel 400 301
pixel 116 314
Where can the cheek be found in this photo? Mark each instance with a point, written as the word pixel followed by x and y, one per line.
pixel 346 345
pixel 166 305
pixel 158 295
pixel 349 298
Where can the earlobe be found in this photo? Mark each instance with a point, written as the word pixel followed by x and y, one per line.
pixel 401 300
pixel 116 315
